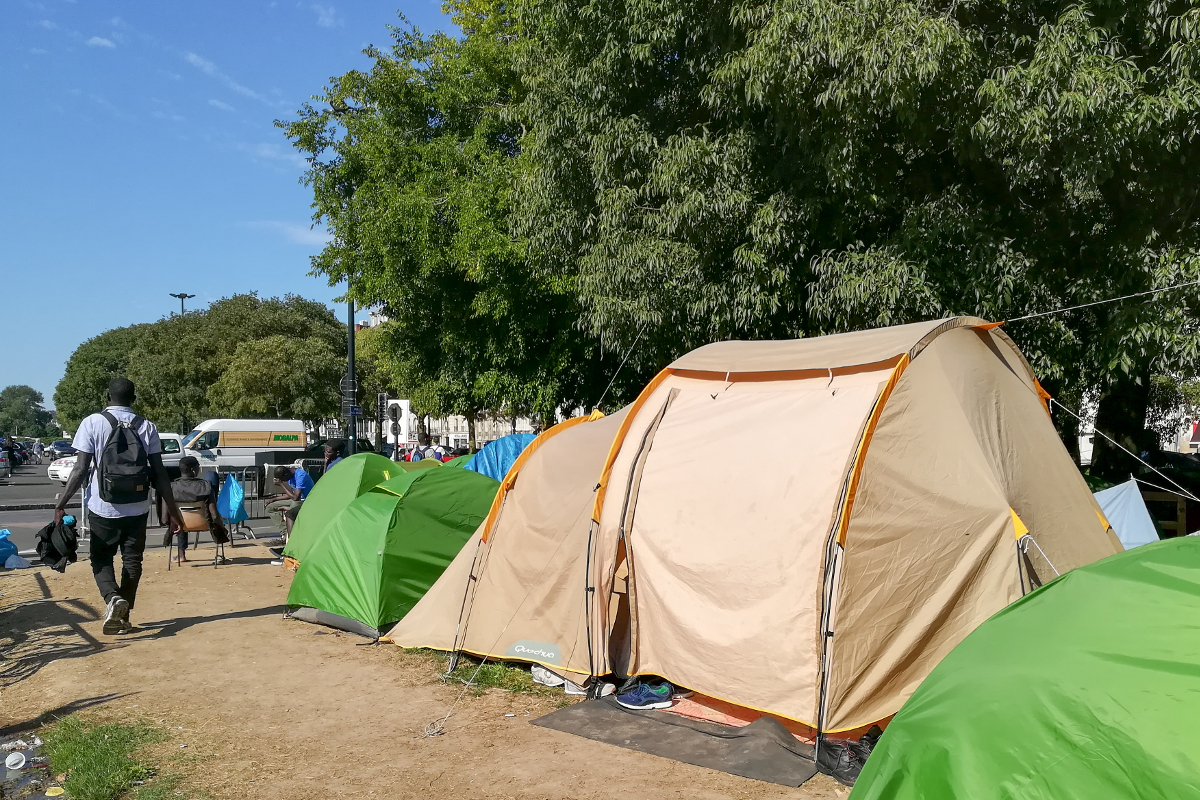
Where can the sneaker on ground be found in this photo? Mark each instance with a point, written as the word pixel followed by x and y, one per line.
pixel 117 616
pixel 644 697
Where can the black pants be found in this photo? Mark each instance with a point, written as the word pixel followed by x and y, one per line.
pixel 110 535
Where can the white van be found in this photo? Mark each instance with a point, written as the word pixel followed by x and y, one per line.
pixel 234 442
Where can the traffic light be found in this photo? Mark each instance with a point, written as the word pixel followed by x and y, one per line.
pixel 394 413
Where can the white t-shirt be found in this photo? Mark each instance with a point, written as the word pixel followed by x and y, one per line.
pixel 91 437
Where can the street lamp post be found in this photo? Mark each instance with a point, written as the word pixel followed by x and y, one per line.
pixel 351 423
pixel 182 296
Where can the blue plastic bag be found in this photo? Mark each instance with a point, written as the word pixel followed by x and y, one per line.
pixel 7 548
pixel 231 501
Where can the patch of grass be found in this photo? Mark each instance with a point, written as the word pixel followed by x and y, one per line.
pixel 498 675
pixel 98 757
pixel 162 789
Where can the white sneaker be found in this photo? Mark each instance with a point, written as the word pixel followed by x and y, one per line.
pixel 117 617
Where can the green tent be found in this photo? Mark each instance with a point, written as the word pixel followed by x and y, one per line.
pixel 1089 687
pixel 376 557
pixel 458 461
pixel 350 478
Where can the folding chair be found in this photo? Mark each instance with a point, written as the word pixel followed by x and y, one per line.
pixel 195 520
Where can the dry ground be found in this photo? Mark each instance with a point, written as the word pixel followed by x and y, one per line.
pixel 271 708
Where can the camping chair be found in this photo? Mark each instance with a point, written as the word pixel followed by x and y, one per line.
pixel 195 520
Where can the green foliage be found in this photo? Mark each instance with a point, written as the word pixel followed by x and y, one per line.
pixel 414 170
pixel 755 169
pixel 280 377
pixel 177 363
pixel 93 364
pixel 21 412
pixel 98 757
pixel 1172 403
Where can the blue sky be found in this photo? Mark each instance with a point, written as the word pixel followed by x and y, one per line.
pixel 141 159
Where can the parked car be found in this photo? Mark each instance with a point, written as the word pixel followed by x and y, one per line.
pixel 59 448
pixel 60 469
pixel 172 448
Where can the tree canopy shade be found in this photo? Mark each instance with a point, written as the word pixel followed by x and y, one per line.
pixel 414 167
pixel 242 356
pixel 754 169
pixel 21 412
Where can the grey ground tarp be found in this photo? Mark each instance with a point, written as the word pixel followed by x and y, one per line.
pixel 763 750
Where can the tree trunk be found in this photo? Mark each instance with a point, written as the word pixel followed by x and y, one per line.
pixel 470 432
pixel 1066 424
pixel 1122 415
pixel 421 428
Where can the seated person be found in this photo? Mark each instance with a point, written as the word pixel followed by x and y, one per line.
pixel 191 490
pixel 295 484
pixel 333 453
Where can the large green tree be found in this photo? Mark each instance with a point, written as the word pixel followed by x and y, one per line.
pixel 176 362
pixel 94 363
pixel 21 412
pixel 281 377
pixel 414 169
pixel 751 168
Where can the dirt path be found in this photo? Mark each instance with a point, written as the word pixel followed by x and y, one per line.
pixel 272 708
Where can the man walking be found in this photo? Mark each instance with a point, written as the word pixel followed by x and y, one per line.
pixel 118 454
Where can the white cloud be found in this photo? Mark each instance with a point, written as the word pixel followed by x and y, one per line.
pixel 48 25
pixel 294 233
pixel 268 151
pixel 209 68
pixel 220 105
pixel 97 41
pixel 326 16
pixel 202 64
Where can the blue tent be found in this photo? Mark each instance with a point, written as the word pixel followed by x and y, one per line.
pixel 495 459
pixel 1126 512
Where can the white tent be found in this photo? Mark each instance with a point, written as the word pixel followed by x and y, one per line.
pixel 1126 512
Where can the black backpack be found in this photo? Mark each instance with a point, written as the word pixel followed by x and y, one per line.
pixel 124 472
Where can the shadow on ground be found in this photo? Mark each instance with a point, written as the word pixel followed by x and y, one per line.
pixel 53 714
pixel 170 627
pixel 36 629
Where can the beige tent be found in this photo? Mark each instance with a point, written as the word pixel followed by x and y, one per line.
pixel 799 528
